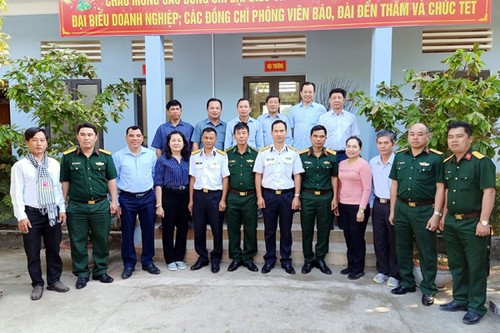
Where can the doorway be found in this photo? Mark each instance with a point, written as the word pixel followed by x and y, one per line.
pixel 141 111
pixel 257 88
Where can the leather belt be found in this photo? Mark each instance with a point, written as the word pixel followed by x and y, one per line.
pixel 316 192
pixel 383 201
pixel 206 190
pixel 176 188
pixel 467 216
pixel 135 195
pixel 340 151
pixel 242 193
pixel 417 203
pixel 279 192
pixel 94 201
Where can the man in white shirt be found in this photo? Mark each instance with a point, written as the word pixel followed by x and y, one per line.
pixel 277 183
pixel 267 119
pixel 384 239
pixel 339 123
pixel 39 208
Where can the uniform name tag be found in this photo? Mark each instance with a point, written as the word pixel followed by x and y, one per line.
pixel 424 163
pixel 99 163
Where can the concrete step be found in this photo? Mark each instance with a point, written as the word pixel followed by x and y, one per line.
pixel 335 257
pixel 336 235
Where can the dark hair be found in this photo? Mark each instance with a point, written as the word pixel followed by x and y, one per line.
pixel 318 128
pixel 213 99
pixel 390 134
pixel 208 130
pixel 133 128
pixel 185 149
pixel 241 125
pixel 86 125
pixel 279 121
pixel 272 96
pixel 337 91
pixel 307 83
pixel 32 131
pixel 241 100
pixel 173 102
pixel 360 143
pixel 456 124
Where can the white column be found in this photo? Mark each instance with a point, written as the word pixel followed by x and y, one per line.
pixel 155 85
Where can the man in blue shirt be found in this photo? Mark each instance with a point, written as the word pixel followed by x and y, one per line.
pixel 256 139
pixel 304 115
pixel 267 119
pixel 174 111
pixel 135 166
pixel 214 110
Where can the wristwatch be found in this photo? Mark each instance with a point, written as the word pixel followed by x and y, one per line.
pixel 158 205
pixel 484 222
pixel 438 213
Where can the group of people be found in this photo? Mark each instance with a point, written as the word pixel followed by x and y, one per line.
pixel 309 161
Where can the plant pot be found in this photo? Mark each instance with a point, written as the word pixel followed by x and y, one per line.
pixel 443 276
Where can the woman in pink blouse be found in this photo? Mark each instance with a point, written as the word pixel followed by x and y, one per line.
pixel 355 182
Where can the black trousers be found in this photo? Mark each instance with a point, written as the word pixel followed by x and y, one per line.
pixel 278 207
pixel 40 229
pixel 354 234
pixel 384 240
pixel 175 206
pixel 206 212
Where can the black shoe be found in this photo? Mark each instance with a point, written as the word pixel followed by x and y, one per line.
pixel 103 278
pixel 346 271
pixel 306 269
pixel 267 268
pixel 355 276
pixel 151 269
pixel 427 300
pixel 453 307
pixel 215 267
pixel 403 290
pixel 471 318
pixel 289 269
pixel 251 267
pixel 199 264
pixel 81 282
pixel 127 272
pixel 234 266
pixel 322 267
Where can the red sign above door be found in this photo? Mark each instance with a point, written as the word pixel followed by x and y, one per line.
pixel 275 66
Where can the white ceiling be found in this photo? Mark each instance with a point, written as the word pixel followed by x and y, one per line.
pixel 31 7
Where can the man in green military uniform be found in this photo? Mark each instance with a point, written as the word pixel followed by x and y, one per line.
pixel 87 176
pixel 241 201
pixel 318 202
pixel 469 180
pixel 417 196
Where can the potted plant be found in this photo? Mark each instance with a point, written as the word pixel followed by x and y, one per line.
pixel 443 276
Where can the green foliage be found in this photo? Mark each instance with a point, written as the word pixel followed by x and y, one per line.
pixel 6 162
pixel 39 87
pixel 495 214
pixel 10 136
pixel 438 99
pixel 4 47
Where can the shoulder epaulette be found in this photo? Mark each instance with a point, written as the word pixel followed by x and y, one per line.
pixel 265 148
pixel 436 151
pixel 331 151
pixel 107 152
pixel 304 151
pixel 447 159
pixel 292 148
pixel 478 155
pixel 402 150
pixel 228 149
pixel 69 151
pixel 254 149
pixel 195 152
pixel 222 152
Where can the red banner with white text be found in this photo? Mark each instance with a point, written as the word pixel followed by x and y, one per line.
pixel 162 17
